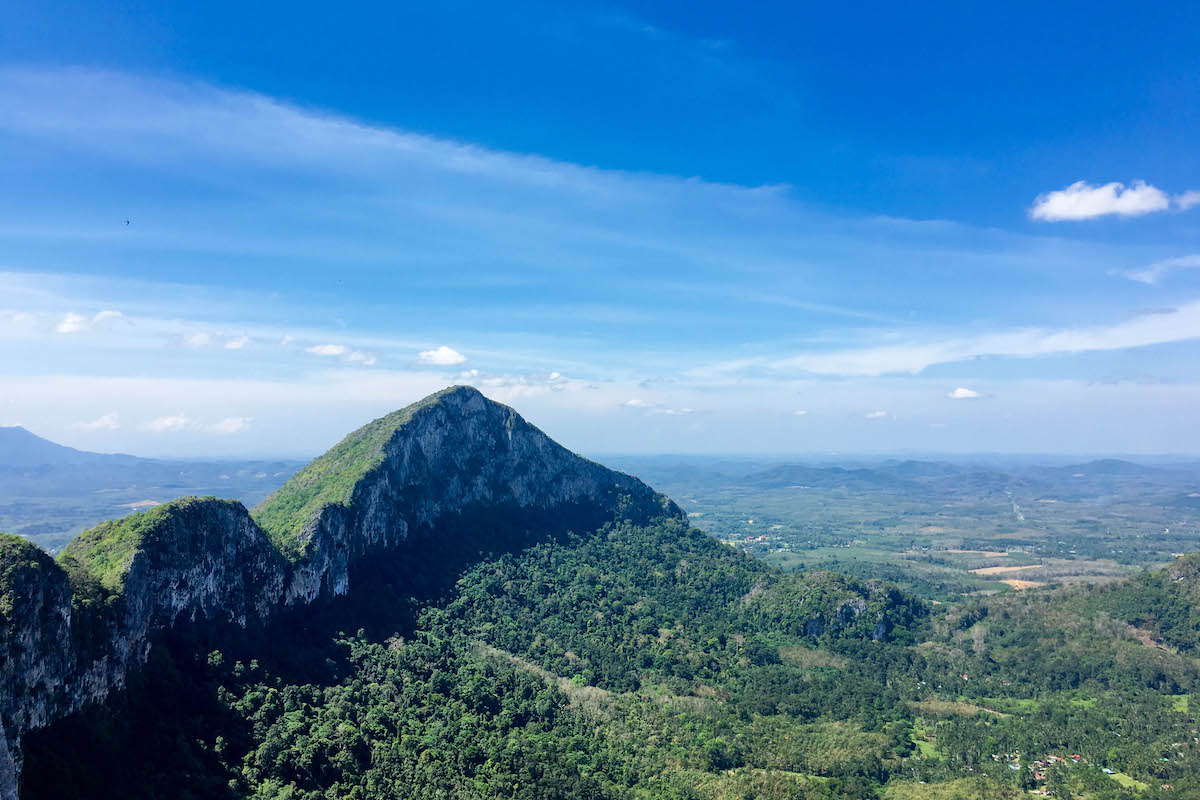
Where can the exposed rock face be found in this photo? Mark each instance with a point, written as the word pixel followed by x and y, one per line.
pixel 70 639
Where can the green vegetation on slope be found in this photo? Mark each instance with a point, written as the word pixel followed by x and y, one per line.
pixel 631 662
pixel 1166 602
pixel 648 662
pixel 106 551
pixel 331 477
pixel 18 556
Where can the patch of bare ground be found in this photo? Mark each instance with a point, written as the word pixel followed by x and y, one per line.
pixel 1019 584
pixel 1004 570
pixel 589 700
pixel 933 705
pixel 758 588
pixel 1148 638
pixel 803 656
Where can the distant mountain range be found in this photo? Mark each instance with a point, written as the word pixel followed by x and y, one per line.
pixel 20 450
pixel 49 492
pixel 1101 479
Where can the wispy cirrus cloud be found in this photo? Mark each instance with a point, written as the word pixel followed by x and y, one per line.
pixel 343 352
pixel 179 423
pixel 105 422
pixel 1155 272
pixel 169 423
pixel 78 323
pixel 915 354
pixel 231 425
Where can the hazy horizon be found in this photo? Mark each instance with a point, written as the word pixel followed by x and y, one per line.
pixel 864 457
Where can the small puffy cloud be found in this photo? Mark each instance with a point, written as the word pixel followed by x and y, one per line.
pixel 231 425
pixel 1155 272
pixel 168 424
pixel 963 393
pixel 237 343
pixel 359 357
pixel 286 340
pixel 197 340
pixel 875 415
pixel 1081 200
pixel 441 357
pixel 77 323
pixel 800 412
pixel 1188 199
pixel 342 352
pixel 108 422
pixel 71 323
pixel 657 408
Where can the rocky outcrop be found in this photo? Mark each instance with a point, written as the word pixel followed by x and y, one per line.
pixel 71 630
pixel 456 451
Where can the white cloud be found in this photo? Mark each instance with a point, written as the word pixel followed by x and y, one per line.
pixel 286 340
pixel 168 424
pixel 237 343
pixel 77 323
pixel 231 425
pixel 327 350
pixel 344 353
pixel 1159 269
pixel 1081 200
pixel 875 415
pixel 800 412
pixel 180 422
pixel 1187 199
pixel 442 357
pixel 71 323
pixel 108 422
pixel 963 393
pixel 919 353
pixel 197 340
pixel 674 412
pixel 656 409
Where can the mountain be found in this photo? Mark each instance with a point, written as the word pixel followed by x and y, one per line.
pixel 20 449
pixel 455 467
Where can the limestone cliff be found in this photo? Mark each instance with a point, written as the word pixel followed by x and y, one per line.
pixel 71 630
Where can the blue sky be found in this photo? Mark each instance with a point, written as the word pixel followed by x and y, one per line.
pixel 662 227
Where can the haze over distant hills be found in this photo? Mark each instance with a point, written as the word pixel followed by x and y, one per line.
pixel 48 492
